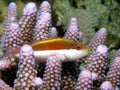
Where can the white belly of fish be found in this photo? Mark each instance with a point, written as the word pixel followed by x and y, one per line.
pixel 64 55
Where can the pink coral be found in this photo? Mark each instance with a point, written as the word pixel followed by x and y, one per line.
pixel 73 32
pixel 27 22
pixel 11 16
pixel 113 73
pixel 26 70
pixel 53 74
pixel 85 81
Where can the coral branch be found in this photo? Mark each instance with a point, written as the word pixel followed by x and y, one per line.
pixel 41 31
pixel 52 74
pixel 4 86
pixel 27 22
pixel 106 85
pixel 53 32
pixel 12 38
pixel 114 72
pixel 98 64
pixel 43 23
pixel 11 16
pixel 7 62
pixel 26 70
pixel 85 81
pixel 98 39
pixel 73 32
pixel 69 75
pixel 45 7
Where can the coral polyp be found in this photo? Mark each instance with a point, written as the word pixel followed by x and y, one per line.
pixel 38 60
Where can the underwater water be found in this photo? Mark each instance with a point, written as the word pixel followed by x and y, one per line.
pixel 63 17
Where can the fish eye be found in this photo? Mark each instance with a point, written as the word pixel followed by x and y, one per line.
pixel 78 47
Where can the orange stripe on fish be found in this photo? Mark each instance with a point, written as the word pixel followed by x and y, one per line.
pixel 57 44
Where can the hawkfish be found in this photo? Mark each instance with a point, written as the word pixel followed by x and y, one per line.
pixel 65 49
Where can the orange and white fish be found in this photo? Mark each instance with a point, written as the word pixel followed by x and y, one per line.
pixel 66 50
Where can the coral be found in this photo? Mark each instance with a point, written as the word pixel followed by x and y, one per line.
pixel 41 31
pixel 98 39
pixel 98 64
pixel 12 37
pixel 45 7
pixel 26 70
pixel 4 86
pixel 3 11
pixel 85 81
pixel 27 22
pixel 73 32
pixel 69 75
pixel 19 4
pixel 11 42
pixel 52 74
pixel 113 73
pixel 53 32
pixel 101 13
pixel 7 62
pixel 106 85
pixel 58 71
pixel 11 16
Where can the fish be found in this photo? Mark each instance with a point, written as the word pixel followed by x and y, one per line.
pixel 65 49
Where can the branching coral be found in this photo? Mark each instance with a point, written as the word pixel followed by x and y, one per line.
pixel 69 75
pixel 73 32
pixel 113 74
pixel 60 69
pixel 98 39
pixel 11 16
pixel 12 38
pixel 26 70
pixel 98 64
pixel 11 42
pixel 52 74
pixel 85 81
pixel 27 22
pixel 4 86
pixel 106 85
pixel 41 31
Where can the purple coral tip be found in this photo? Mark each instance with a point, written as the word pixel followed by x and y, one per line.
pixel 29 8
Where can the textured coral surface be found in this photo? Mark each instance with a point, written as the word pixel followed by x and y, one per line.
pixel 20 69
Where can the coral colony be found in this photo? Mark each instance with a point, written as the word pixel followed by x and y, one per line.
pixel 53 73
